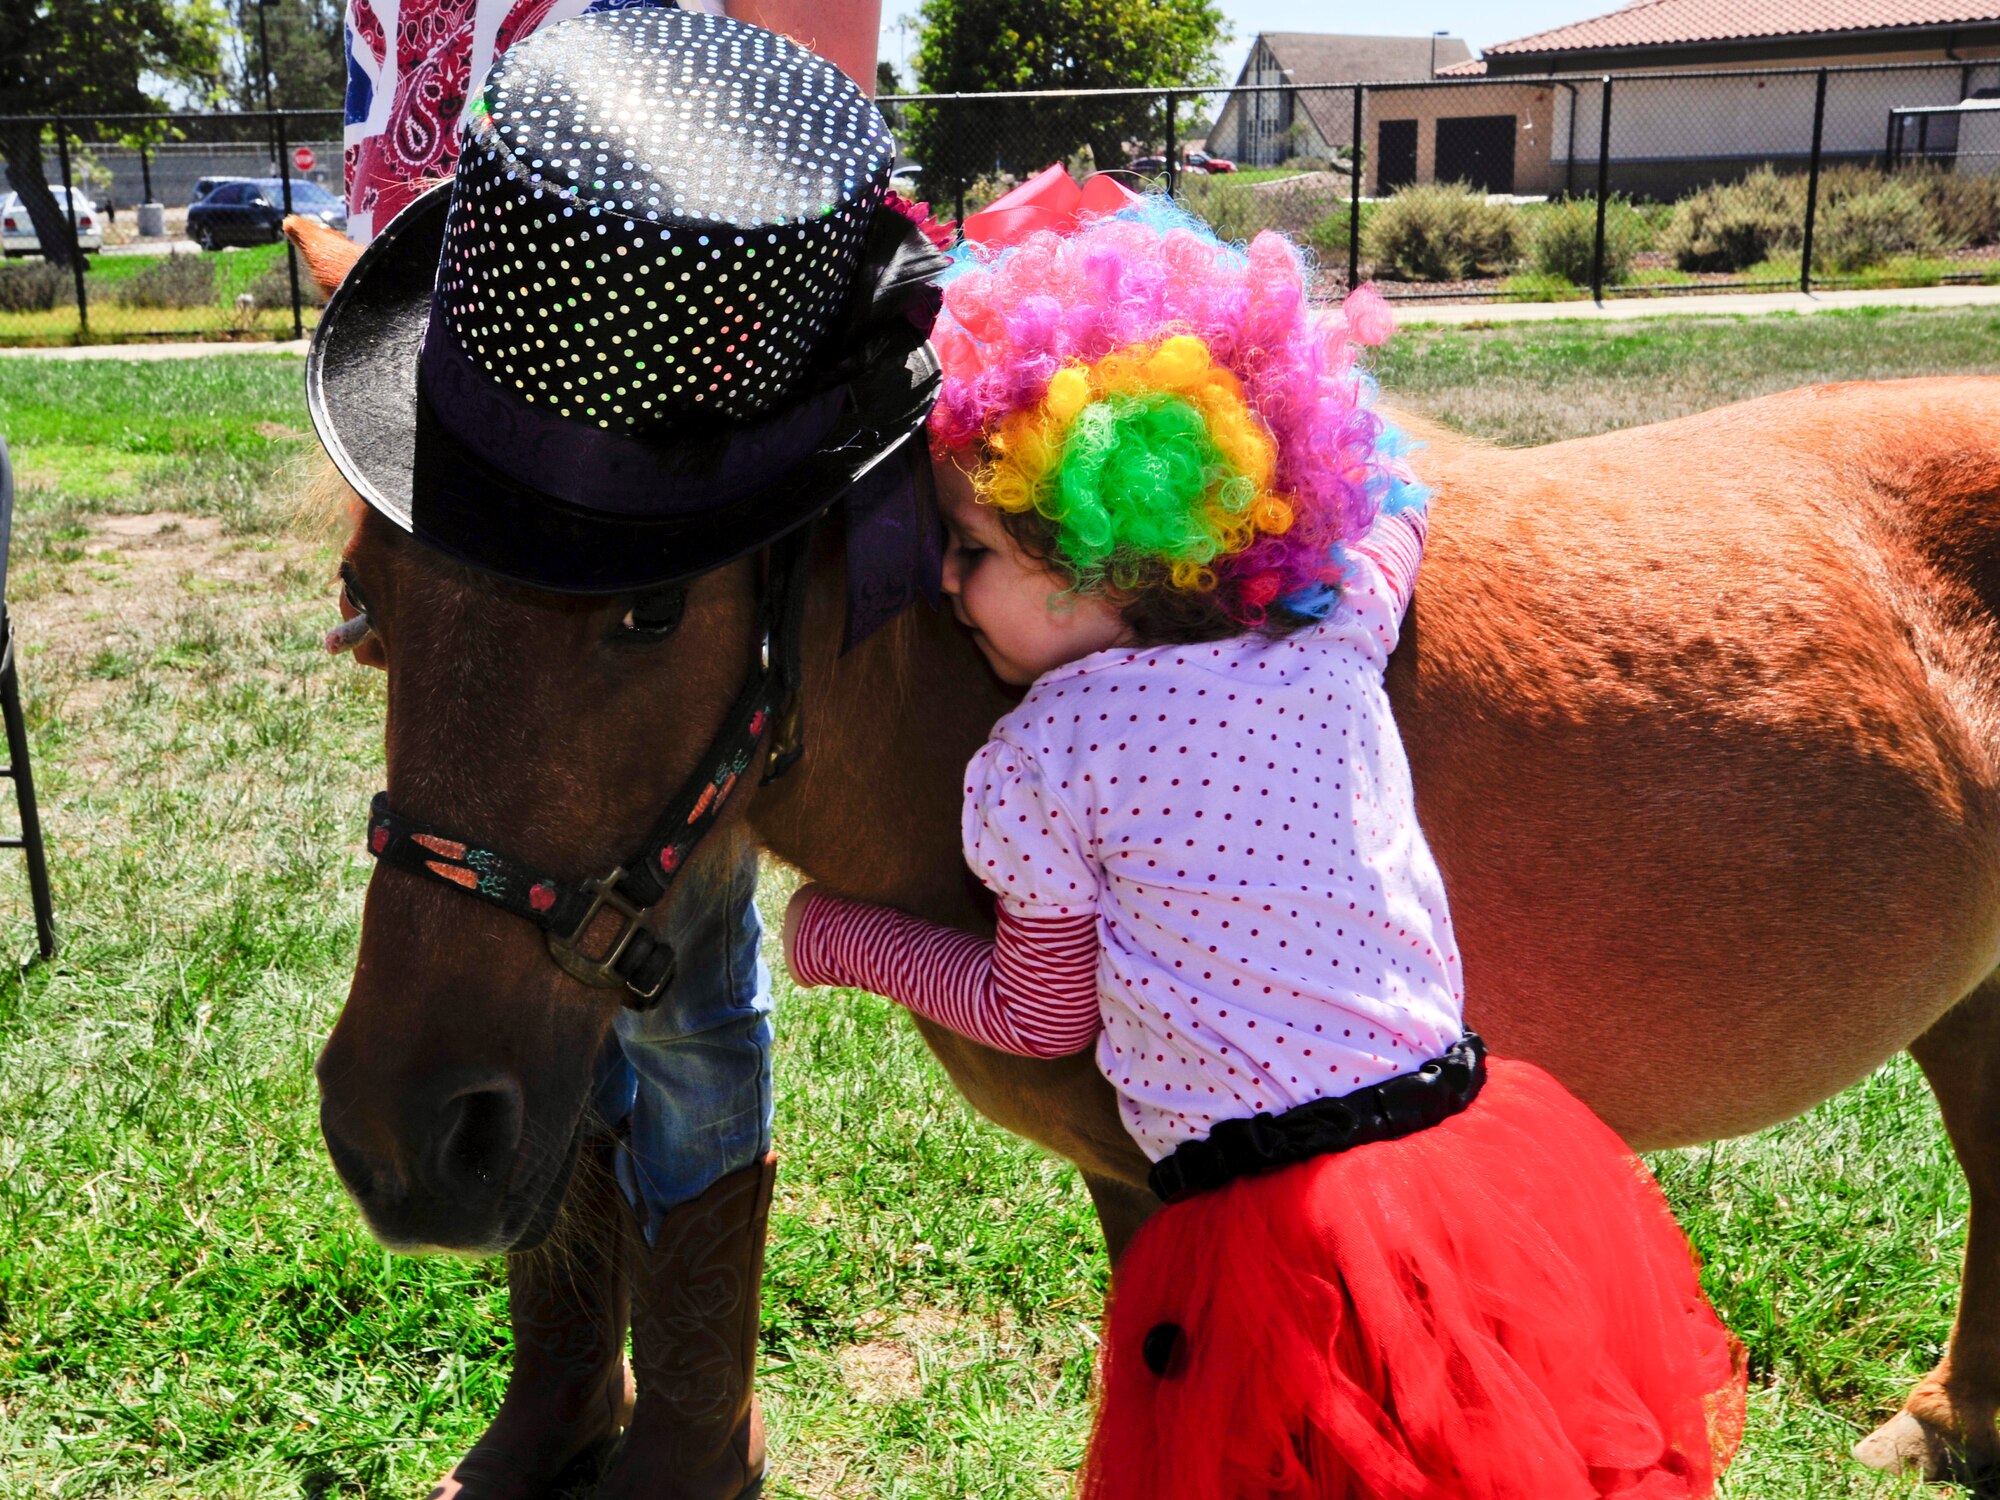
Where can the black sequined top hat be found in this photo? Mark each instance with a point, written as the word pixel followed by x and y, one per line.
pixel 660 317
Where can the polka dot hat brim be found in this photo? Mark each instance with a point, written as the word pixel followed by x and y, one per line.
pixel 659 319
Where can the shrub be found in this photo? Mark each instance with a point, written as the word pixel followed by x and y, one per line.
pixel 173 281
pixel 1734 225
pixel 30 286
pixel 273 288
pixel 1859 230
pixel 1231 209
pixel 1566 240
pixel 1327 236
pixel 1965 207
pixel 1441 232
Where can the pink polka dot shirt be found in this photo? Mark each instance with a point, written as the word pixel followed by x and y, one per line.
pixel 1235 822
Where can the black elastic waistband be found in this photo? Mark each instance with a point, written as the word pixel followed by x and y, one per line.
pixel 1384 1111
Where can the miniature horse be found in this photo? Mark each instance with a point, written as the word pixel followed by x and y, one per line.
pixel 1705 724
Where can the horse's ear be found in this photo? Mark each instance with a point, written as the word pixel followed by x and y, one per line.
pixel 328 253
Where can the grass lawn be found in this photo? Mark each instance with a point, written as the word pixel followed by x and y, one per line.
pixel 189 1307
pixel 236 270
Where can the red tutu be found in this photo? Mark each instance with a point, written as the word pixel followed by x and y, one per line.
pixel 1500 1307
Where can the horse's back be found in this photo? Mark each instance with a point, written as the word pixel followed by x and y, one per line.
pixel 1703 718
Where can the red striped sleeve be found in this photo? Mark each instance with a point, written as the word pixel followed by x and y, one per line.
pixel 1395 544
pixel 1031 991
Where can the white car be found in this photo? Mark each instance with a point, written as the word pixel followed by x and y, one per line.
pixel 904 179
pixel 17 230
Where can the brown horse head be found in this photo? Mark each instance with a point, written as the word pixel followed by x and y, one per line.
pixel 552 727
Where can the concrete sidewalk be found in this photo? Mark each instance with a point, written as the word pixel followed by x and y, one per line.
pixel 186 350
pixel 1408 314
pixel 1695 305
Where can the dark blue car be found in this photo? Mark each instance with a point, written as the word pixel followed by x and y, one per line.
pixel 251 211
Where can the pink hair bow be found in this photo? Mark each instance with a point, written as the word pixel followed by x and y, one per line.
pixel 1051 199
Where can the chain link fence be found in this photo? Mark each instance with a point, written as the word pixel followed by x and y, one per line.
pixel 1533 188
pixel 1451 188
pixel 170 226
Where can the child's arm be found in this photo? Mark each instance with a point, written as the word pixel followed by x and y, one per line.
pixel 1395 544
pixel 1032 990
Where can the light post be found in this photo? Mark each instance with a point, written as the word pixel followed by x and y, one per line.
pixel 264 68
pixel 264 51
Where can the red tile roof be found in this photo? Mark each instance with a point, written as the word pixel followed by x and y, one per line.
pixel 1668 23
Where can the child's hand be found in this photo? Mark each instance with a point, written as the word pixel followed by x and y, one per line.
pixel 795 911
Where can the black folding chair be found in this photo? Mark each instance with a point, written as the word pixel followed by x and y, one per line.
pixel 30 841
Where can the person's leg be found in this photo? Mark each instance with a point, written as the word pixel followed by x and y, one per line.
pixel 682 1118
pixel 700 1061
pixel 568 1305
pixel 696 1165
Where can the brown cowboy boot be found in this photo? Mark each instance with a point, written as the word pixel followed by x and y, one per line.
pixel 570 1391
pixel 696 1433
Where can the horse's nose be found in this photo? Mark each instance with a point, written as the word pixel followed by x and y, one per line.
pixel 477 1132
pixel 427 1160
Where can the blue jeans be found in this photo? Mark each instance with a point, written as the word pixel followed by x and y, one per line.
pixel 692 1076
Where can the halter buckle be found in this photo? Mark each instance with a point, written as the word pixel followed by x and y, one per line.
pixel 603 972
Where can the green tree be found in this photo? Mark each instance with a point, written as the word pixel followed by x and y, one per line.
pixel 308 54
pixel 983 46
pixel 93 57
pixel 889 81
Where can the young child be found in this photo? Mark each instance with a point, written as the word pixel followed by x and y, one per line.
pixel 1387 1268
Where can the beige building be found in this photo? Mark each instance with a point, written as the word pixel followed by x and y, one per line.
pixel 1284 109
pixel 1541 134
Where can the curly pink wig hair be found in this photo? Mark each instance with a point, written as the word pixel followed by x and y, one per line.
pixel 1012 321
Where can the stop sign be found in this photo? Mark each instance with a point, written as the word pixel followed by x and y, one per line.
pixel 303 159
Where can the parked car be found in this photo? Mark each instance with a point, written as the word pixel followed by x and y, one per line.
pixel 17 230
pixel 203 186
pixel 1193 161
pixel 904 179
pixel 251 211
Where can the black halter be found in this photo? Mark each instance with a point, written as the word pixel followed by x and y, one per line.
pixel 597 929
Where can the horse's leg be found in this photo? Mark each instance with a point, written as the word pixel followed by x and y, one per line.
pixel 1121 1209
pixel 1946 1428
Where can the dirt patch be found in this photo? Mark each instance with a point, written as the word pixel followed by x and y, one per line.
pixel 138 573
pixel 889 1366
pixel 138 576
pixel 881 1370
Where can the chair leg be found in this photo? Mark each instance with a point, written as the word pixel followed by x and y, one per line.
pixel 24 796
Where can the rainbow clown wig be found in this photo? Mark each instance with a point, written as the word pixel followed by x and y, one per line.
pixel 1155 410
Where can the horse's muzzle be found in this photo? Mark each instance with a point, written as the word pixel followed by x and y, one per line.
pixel 458 1179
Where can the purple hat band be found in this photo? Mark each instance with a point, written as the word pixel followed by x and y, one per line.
pixel 597 469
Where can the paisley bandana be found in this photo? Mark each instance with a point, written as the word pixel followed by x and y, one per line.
pixel 412 68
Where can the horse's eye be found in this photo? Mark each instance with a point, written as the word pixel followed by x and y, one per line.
pixel 351 591
pixel 656 614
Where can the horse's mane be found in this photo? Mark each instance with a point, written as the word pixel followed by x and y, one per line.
pixel 325 509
